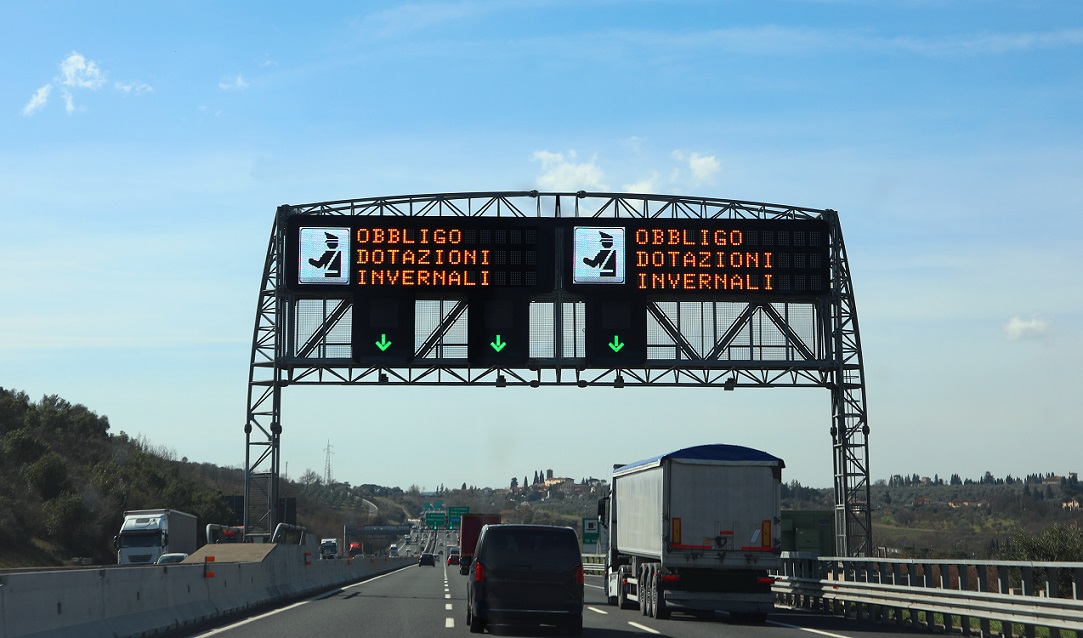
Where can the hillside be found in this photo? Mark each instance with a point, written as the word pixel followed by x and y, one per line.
pixel 69 479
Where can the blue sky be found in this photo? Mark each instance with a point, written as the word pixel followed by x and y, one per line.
pixel 145 148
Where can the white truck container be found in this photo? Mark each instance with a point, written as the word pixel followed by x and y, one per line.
pixel 696 530
pixel 147 534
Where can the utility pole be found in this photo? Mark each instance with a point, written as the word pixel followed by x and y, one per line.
pixel 327 466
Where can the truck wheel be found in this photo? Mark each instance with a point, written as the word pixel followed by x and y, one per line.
pixel 644 590
pixel 659 609
pixel 622 592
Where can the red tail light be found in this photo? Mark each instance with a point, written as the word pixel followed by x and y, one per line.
pixel 670 578
pixel 479 572
pixel 765 580
pixel 579 575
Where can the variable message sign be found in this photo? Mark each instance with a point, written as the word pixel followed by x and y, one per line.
pixel 498 265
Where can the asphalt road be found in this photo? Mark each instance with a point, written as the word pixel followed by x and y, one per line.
pixel 430 602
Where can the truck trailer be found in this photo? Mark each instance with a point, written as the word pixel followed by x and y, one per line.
pixel 696 530
pixel 469 530
pixel 147 534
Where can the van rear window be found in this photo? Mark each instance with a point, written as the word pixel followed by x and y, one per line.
pixel 538 549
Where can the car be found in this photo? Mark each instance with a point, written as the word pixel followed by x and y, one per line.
pixel 168 559
pixel 526 575
pixel 426 559
pixel 453 559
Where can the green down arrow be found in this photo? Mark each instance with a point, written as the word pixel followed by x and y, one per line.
pixel 498 345
pixel 383 344
pixel 616 345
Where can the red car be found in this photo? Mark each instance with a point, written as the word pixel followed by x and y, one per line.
pixel 453 559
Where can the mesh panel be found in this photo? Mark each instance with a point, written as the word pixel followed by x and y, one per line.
pixel 333 318
pixel 429 315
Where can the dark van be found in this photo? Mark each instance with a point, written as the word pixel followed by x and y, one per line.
pixel 526 574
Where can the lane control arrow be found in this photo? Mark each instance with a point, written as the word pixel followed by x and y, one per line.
pixel 498 345
pixel 616 345
pixel 383 344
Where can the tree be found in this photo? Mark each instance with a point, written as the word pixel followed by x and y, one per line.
pixel 514 483
pixel 49 475
pixel 1058 543
pixel 310 478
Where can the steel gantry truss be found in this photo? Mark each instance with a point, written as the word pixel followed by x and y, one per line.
pixel 306 339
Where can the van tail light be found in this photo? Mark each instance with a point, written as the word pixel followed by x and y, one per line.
pixel 479 572
pixel 579 575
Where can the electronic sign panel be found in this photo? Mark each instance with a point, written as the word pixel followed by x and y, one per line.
pixel 383 330
pixel 420 255
pixel 616 334
pixel 498 330
pixel 497 265
pixel 700 258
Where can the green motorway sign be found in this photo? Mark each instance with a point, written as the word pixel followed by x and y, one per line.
pixel 455 516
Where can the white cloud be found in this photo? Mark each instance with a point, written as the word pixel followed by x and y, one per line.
pixel 77 72
pixel 647 185
pixel 562 173
pixel 236 84
pixel 40 99
pixel 138 88
pixel 704 167
pixel 1019 328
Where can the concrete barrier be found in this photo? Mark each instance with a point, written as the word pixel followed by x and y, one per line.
pixel 139 601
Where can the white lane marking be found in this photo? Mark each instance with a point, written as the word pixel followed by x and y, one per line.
pixel 449 623
pixel 255 618
pixel 598 611
pixel 447 595
pixel 327 594
pixel 812 631
pixel 643 627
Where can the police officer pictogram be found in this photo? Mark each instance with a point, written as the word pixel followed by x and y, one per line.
pixel 599 255
pixel 322 251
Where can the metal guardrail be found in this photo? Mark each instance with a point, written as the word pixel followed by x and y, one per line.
pixel 971 597
pixel 594 563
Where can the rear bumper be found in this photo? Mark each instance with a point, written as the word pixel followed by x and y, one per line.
pixel 498 615
pixel 716 601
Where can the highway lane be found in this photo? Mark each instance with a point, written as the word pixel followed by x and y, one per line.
pixel 430 602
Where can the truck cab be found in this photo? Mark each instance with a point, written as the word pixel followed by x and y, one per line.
pixel 147 534
pixel 329 549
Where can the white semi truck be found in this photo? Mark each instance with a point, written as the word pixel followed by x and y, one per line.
pixel 328 548
pixel 697 530
pixel 147 534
